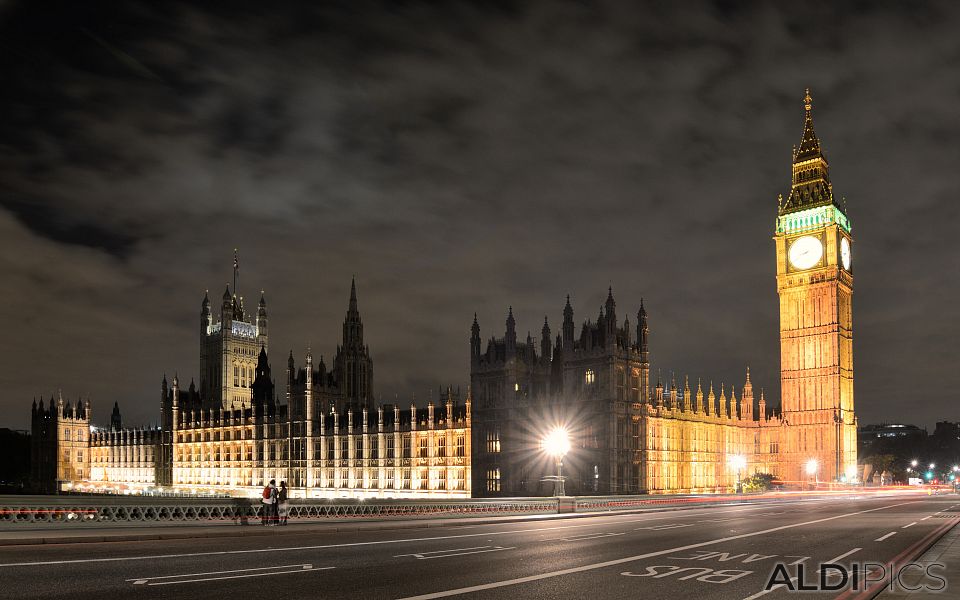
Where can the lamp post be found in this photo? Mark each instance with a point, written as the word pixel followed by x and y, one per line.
pixel 812 469
pixel 557 444
pixel 738 462
pixel 838 420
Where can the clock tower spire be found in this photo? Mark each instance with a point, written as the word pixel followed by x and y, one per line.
pixel 815 284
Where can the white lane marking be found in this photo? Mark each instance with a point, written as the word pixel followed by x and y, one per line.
pixel 925 518
pixel 221 575
pixel 299 566
pixel 628 559
pixel 590 536
pixel 881 538
pixel 909 525
pixel 238 576
pixel 440 551
pixel 618 518
pixel 664 526
pixel 773 589
pixel 844 555
pixel 455 552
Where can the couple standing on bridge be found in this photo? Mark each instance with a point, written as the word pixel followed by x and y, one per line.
pixel 275 508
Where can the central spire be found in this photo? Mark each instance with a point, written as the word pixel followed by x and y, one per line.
pixel 353 294
pixel 810 184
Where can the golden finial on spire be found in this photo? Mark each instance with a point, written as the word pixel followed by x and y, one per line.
pixel 807 100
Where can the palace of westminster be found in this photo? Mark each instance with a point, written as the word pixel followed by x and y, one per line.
pixel 630 432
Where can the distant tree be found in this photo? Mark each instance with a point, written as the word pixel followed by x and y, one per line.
pixel 882 462
pixel 758 482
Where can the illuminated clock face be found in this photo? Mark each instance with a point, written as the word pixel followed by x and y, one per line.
pixel 805 252
pixel 845 253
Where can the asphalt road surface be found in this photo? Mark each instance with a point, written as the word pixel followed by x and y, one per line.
pixel 720 552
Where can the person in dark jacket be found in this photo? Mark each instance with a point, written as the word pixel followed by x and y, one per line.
pixel 283 508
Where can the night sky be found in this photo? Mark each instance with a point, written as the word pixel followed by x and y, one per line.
pixel 461 158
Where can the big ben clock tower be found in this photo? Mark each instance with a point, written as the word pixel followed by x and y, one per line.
pixel 815 284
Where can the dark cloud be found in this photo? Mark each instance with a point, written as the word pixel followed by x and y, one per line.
pixel 460 158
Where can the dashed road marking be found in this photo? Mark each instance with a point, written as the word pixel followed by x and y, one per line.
pixel 844 555
pixel 909 525
pixel 883 537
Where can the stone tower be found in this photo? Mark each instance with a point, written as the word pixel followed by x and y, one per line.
pixel 229 348
pixel 815 285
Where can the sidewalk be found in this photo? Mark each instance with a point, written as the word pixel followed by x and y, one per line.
pixel 945 552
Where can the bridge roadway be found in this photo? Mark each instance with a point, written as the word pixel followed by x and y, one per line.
pixel 717 552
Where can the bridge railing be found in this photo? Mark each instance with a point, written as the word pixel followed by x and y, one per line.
pixel 99 509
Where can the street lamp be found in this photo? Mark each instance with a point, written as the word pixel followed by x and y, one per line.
pixel 838 421
pixel 557 444
pixel 812 468
pixel 851 473
pixel 738 462
pixel 913 463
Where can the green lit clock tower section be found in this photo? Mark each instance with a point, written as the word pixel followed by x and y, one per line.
pixel 815 285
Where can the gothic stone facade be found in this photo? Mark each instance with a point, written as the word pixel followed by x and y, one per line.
pixel 59 444
pixel 324 436
pixel 628 437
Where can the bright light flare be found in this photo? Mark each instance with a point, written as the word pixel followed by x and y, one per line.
pixel 557 442
pixel 738 462
pixel 812 466
pixel 851 471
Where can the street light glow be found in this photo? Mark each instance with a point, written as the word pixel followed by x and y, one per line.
pixel 557 442
pixel 913 463
pixel 738 461
pixel 811 466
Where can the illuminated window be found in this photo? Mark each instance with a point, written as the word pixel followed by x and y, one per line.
pixel 493 480
pixel 493 441
pixel 66 434
pixel 459 446
pixel 589 377
pixel 80 456
pixel 442 447
pixel 423 447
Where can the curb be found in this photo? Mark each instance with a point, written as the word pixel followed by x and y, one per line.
pixel 249 531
